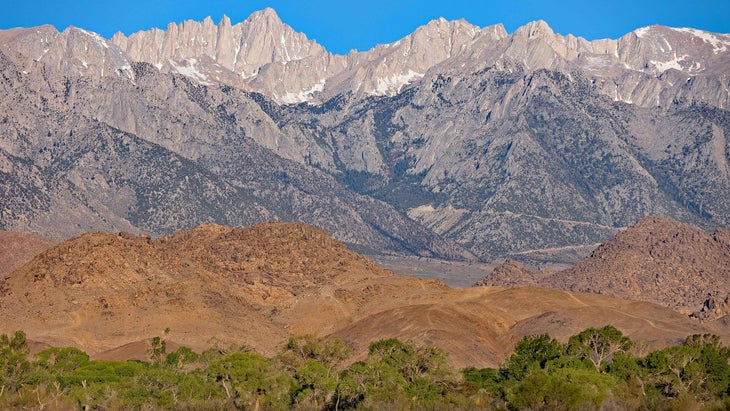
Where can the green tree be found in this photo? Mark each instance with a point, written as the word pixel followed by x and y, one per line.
pixel 15 369
pixel 61 361
pixel 532 352
pixel 158 348
pixel 251 381
pixel 328 351
pixel 52 365
pixel 397 374
pixel 563 388
pixel 410 360
pixel 104 371
pixel 476 379
pixel 314 384
pixel 371 385
pixel 314 361
pixel 699 367
pixel 598 345
pixel 103 383
pixel 170 389
pixel 181 357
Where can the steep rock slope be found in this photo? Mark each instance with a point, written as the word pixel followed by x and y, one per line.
pixel 657 259
pixel 155 152
pixel 257 286
pixel 264 54
pixel 530 145
pixel 513 162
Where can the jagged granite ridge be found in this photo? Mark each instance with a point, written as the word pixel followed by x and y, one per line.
pixel 518 145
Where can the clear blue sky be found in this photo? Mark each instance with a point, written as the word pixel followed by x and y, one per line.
pixel 344 25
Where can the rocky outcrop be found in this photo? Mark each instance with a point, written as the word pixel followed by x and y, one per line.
pixel 713 309
pixel 657 259
pixel 508 274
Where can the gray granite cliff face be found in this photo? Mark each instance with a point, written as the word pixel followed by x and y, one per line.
pixel 649 66
pixel 456 141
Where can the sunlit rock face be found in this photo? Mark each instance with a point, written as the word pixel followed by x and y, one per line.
pixel 455 141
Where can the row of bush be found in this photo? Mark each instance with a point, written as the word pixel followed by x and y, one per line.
pixel 598 368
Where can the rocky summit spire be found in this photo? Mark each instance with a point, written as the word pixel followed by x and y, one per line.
pixel 264 54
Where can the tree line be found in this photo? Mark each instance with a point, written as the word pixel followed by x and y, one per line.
pixel 599 368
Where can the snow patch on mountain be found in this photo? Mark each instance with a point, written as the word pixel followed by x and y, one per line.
pixel 304 95
pixel 188 68
pixel 719 44
pixel 389 86
pixel 662 66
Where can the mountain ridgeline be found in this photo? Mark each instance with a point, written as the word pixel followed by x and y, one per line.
pixel 456 142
